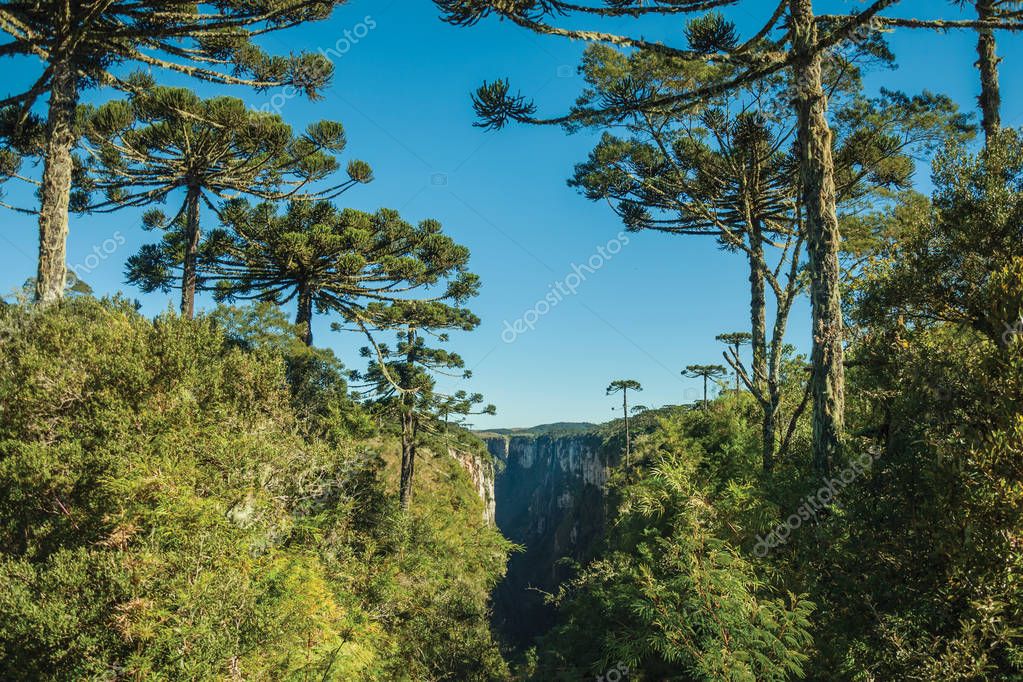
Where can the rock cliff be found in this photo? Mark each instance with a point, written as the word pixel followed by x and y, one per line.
pixel 549 497
pixel 481 473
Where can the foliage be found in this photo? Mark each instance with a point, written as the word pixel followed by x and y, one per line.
pixel 317 378
pixel 933 551
pixel 674 596
pixel 163 514
pixel 80 46
pixel 403 379
pixel 622 385
pixel 218 47
pixel 340 261
pixel 162 140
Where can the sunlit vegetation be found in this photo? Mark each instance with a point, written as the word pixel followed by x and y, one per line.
pixel 208 495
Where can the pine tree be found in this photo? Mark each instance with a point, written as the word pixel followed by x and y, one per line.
pixel 705 372
pixel 713 41
pixel 791 42
pixel 80 44
pixel 163 140
pixel 725 168
pixel 331 260
pixel 735 341
pixel 404 378
pixel 623 386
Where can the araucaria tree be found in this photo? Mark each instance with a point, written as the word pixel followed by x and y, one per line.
pixel 623 386
pixel 991 16
pixel 404 378
pixel 80 45
pixel 735 341
pixel 705 372
pixel 168 140
pixel 340 261
pixel 790 42
pixel 727 168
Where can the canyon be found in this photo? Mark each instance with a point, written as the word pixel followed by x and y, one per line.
pixel 548 496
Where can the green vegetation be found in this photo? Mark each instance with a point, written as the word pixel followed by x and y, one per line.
pixel 165 139
pixel 899 566
pixel 350 263
pixel 75 46
pixel 674 595
pixel 209 496
pixel 168 514
pixel 623 386
pixel 546 429
pixel 707 373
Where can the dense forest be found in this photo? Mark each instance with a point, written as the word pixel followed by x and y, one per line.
pixel 212 494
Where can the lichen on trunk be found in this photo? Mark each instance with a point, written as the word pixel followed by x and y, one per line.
pixel 304 317
pixel 822 238
pixel 987 62
pixel 55 192
pixel 190 261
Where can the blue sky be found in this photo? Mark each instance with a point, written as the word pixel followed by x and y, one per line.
pixel 401 88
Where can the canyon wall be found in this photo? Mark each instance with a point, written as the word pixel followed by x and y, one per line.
pixel 481 473
pixel 549 498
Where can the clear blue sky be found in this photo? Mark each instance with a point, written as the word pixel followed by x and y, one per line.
pixel 402 92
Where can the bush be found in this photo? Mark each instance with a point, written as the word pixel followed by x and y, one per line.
pixel 165 513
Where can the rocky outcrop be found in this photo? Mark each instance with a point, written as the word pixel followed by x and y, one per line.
pixel 481 473
pixel 550 499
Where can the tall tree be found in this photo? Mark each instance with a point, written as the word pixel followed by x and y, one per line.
pixel 788 41
pixel 165 140
pixel 819 204
pixel 705 372
pixel 726 168
pixel 80 45
pixel 992 15
pixel 735 341
pixel 404 378
pixel 792 41
pixel 623 386
pixel 332 260
pixel 987 63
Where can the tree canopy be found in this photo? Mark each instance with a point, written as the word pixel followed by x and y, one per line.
pixel 167 139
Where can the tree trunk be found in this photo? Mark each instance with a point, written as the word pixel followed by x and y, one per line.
pixel 758 326
pixel 188 277
pixel 736 349
pixel 628 437
pixel 304 319
pixel 818 198
pixel 408 426
pixel 765 378
pixel 987 62
pixel 772 407
pixel 55 193
pixel 705 391
pixel 758 310
pixel 408 457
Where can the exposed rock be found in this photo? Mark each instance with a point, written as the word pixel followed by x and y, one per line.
pixel 481 473
pixel 549 498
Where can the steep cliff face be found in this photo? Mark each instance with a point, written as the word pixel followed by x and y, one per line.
pixel 481 473
pixel 549 498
